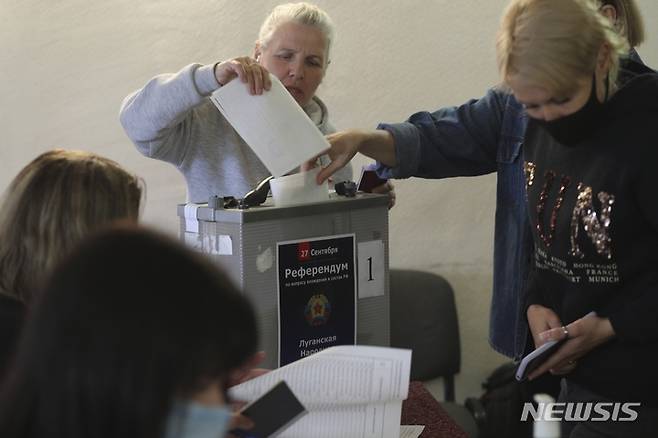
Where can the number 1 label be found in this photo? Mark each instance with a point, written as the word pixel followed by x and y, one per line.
pixel 371 268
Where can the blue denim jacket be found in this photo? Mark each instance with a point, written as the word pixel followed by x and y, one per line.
pixel 483 136
pixel 480 137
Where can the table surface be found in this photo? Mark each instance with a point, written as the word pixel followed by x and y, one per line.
pixel 421 408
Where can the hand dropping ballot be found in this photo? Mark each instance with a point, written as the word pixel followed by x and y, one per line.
pixel 272 124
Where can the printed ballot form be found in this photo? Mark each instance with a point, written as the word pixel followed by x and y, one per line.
pixel 411 431
pixel 354 391
pixel 272 124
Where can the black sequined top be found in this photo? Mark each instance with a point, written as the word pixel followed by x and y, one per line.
pixel 594 212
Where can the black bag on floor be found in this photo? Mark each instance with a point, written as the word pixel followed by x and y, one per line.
pixel 498 410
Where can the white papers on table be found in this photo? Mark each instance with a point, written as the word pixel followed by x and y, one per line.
pixel 272 124
pixel 411 431
pixel 353 391
pixel 372 270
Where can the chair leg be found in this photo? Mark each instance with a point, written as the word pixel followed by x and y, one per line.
pixel 449 388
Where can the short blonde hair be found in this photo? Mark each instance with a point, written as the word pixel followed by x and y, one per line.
pixel 55 201
pixel 300 13
pixel 552 43
pixel 629 20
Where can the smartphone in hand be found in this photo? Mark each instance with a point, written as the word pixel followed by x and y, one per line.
pixel 272 413
pixel 369 180
pixel 533 360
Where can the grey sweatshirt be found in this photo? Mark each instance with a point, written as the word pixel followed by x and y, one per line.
pixel 172 119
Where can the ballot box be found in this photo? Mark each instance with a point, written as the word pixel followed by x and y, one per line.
pixel 316 274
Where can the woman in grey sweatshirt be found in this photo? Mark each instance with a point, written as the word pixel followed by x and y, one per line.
pixel 172 118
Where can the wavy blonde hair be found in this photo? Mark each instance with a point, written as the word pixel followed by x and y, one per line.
pixel 629 20
pixel 552 43
pixel 55 201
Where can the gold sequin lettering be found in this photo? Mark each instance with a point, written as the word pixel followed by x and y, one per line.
pixel 595 225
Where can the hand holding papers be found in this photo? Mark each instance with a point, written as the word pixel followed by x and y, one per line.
pixel 349 391
pixel 272 124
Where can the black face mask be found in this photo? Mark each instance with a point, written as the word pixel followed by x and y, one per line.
pixel 574 128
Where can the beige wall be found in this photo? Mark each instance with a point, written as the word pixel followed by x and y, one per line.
pixel 66 65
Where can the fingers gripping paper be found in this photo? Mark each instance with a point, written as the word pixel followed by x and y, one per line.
pixel 272 124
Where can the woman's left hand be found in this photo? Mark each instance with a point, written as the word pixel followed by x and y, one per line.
pixel 248 370
pixel 239 421
pixel 584 335
pixel 386 189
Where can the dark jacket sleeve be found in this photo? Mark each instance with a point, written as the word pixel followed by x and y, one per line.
pixel 534 291
pixel 637 321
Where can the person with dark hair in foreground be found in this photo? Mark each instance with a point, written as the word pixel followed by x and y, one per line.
pixel 55 201
pixel 133 336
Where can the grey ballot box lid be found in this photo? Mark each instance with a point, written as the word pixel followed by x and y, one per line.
pixel 268 211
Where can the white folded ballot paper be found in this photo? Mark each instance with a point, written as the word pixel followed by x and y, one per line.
pixel 349 391
pixel 272 124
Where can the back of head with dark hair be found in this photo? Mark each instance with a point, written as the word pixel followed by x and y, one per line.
pixel 128 323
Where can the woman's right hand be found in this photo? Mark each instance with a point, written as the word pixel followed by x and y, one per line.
pixel 344 146
pixel 248 70
pixel 541 319
pixel 378 145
